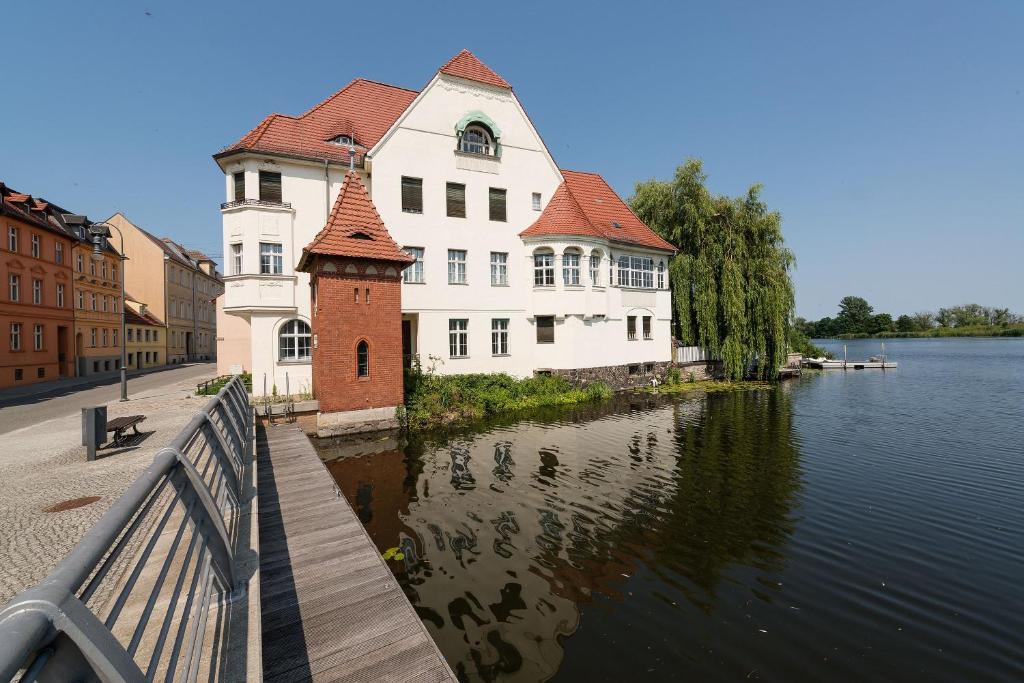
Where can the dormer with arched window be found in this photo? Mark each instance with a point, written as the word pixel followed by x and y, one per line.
pixel 477 134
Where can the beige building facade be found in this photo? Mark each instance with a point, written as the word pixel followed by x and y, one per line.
pixel 145 338
pixel 179 287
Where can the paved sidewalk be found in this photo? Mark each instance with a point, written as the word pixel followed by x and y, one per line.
pixel 14 395
pixel 43 464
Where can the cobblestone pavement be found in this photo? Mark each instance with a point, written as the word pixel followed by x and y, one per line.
pixel 43 464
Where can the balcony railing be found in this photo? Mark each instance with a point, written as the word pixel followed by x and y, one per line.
pixel 255 202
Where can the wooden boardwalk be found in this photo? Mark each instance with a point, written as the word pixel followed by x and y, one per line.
pixel 332 610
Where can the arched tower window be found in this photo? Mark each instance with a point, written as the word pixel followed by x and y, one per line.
pixel 544 268
pixel 571 267
pixel 363 359
pixel 294 341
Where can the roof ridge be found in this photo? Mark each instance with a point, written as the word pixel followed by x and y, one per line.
pixel 468 66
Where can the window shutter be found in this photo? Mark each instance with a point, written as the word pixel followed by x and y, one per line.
pixel 545 329
pixel 497 204
pixel 455 200
pixel 412 195
pixel 239 186
pixel 270 187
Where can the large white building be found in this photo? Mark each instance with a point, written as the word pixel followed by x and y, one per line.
pixel 521 267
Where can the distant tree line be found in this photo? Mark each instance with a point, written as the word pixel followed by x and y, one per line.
pixel 857 317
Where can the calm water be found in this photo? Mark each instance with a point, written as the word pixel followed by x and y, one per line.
pixel 847 526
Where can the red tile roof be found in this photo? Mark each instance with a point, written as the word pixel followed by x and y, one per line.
pixel 364 110
pixel 354 229
pixel 466 65
pixel 586 205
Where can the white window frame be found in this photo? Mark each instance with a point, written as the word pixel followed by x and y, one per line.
pixel 92 337
pixel 35 245
pixel 661 275
pixel 499 336
pixel 543 269
pixel 60 295
pixel 37 337
pixel 457 266
pixel 595 268
pixel 499 268
pixel 14 287
pixel 571 268
pixel 414 273
pixel 12 238
pixel 271 258
pixel 636 272
pixel 476 140
pixel 37 291
pixel 300 336
pixel 236 258
pixel 15 336
pixel 58 252
pixel 458 338
pixel 535 201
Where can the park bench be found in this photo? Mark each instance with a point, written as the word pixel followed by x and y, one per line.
pixel 119 425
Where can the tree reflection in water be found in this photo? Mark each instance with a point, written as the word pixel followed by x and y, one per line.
pixel 575 505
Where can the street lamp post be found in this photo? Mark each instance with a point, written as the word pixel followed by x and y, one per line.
pixel 98 231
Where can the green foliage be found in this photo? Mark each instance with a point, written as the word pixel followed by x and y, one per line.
pixel 855 321
pixel 730 281
pixel 800 343
pixel 436 400
pixel 214 385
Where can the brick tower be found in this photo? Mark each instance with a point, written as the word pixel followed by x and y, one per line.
pixel 356 288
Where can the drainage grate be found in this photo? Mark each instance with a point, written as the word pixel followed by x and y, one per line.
pixel 72 504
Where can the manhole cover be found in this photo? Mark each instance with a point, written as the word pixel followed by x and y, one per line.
pixel 72 504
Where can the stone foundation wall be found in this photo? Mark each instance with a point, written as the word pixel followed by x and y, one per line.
pixel 701 370
pixel 617 376
pixel 635 375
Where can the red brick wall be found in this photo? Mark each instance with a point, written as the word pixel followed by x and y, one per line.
pixel 340 323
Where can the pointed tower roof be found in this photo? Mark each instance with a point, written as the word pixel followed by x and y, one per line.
pixel 354 229
pixel 466 65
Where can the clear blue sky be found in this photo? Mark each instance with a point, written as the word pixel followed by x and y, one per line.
pixel 890 137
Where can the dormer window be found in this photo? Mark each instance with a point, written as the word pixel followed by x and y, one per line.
pixel 477 140
pixel 342 140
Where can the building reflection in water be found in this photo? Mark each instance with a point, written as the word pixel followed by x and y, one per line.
pixel 571 509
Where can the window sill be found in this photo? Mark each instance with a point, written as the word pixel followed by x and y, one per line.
pixel 414 282
pixel 477 155
pixel 574 288
pixel 457 357
pixel 461 284
pixel 550 342
pixel 545 287
pixel 501 355
pixel 304 361
pixel 417 213
pixel 499 284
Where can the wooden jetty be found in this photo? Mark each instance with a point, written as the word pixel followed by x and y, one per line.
pixel 331 608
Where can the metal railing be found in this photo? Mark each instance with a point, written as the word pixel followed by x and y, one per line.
pixel 133 599
pixel 692 354
pixel 255 202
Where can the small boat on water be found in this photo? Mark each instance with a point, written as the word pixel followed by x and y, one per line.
pixel 874 363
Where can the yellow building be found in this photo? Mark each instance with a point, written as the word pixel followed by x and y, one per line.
pixel 97 302
pixel 145 337
pixel 180 287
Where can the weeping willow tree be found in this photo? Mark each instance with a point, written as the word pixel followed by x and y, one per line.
pixel 730 281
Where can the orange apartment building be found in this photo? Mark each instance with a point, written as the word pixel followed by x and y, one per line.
pixel 36 314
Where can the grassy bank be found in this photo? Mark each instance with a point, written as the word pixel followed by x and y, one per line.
pixel 974 331
pixel 442 400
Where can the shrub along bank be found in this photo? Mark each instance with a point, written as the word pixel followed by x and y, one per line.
pixel 440 400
